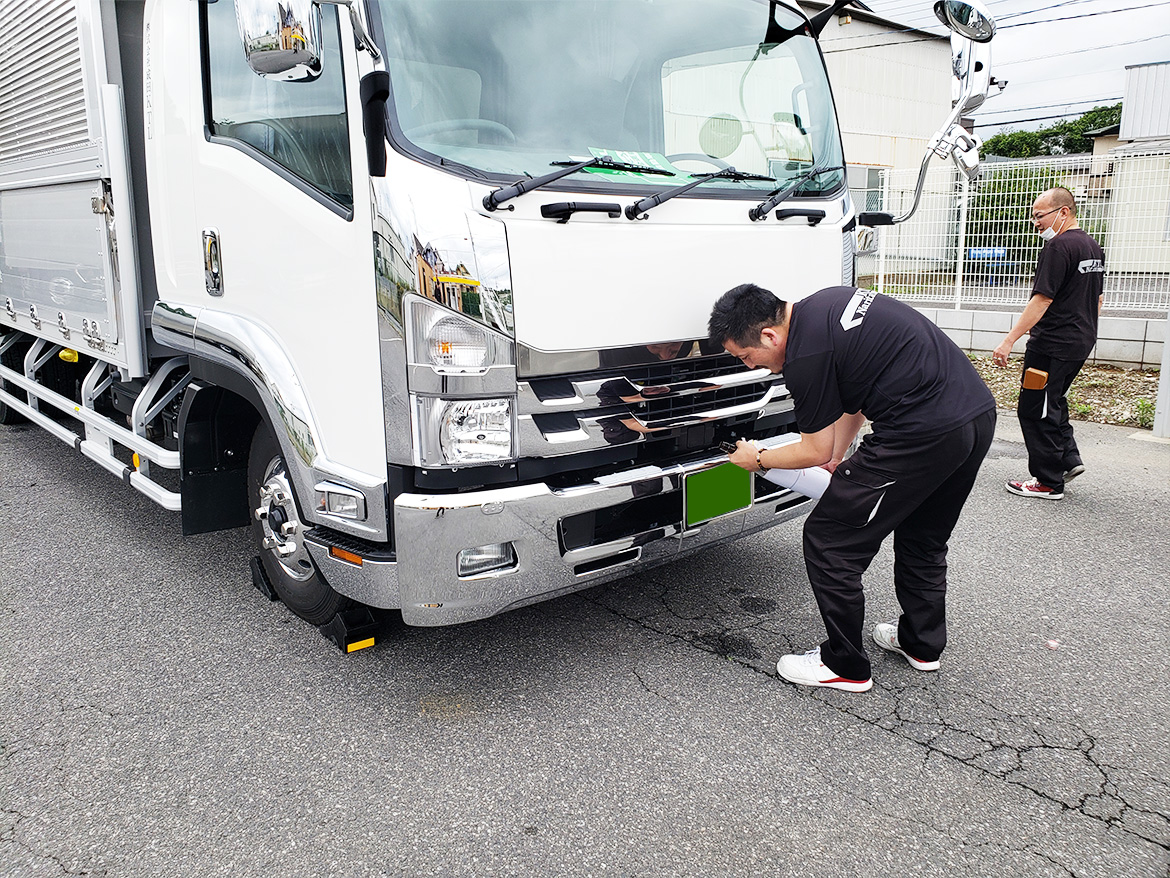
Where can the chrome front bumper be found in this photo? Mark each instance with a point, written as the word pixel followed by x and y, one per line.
pixel 431 530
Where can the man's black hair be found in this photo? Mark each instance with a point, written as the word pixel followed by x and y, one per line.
pixel 741 313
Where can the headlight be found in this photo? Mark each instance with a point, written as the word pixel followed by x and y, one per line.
pixel 468 431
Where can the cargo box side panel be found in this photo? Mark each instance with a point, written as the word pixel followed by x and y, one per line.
pixel 55 266
pixel 68 255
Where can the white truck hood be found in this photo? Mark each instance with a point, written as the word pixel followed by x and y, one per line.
pixel 596 283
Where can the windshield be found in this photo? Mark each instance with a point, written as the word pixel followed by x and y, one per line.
pixel 508 87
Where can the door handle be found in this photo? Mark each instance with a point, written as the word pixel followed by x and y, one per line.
pixel 212 264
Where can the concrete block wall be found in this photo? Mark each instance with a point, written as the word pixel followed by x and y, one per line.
pixel 1121 341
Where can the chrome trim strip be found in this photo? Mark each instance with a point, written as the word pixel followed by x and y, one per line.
pixel 588 392
pixel 493 381
pixel 534 363
pixel 703 417
pixel 591 430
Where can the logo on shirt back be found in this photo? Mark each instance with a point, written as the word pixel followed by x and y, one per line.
pixel 1091 266
pixel 856 310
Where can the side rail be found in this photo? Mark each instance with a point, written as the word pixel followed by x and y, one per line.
pixel 96 434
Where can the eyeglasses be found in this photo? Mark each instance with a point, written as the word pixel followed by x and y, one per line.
pixel 1036 217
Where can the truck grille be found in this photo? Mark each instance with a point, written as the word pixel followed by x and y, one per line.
pixel 641 403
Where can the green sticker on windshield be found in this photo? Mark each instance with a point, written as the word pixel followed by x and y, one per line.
pixel 654 160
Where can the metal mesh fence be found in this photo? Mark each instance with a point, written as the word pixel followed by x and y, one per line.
pixel 974 245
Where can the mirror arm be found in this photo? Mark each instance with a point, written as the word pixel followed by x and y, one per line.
pixel 932 150
pixel 359 30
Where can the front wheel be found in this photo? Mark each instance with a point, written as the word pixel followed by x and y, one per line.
pixel 278 535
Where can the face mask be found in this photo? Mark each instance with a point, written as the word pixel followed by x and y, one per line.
pixel 1049 233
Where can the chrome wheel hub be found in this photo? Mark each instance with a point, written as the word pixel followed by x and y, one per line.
pixel 281 524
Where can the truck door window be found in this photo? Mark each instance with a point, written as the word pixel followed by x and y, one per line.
pixel 301 126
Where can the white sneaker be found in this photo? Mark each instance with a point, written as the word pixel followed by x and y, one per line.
pixel 885 635
pixel 807 669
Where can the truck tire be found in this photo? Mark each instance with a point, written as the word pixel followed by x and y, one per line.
pixel 277 533
pixel 13 359
pixel 8 414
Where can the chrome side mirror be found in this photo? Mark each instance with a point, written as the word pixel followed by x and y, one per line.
pixel 282 41
pixel 968 18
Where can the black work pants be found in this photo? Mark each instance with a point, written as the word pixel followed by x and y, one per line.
pixel 1052 450
pixel 914 489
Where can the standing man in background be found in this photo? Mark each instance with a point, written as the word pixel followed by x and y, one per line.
pixel 1062 317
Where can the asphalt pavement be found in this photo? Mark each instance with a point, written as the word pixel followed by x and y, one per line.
pixel 160 717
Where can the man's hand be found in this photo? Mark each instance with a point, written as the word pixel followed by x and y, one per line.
pixel 832 465
pixel 744 455
pixel 1000 355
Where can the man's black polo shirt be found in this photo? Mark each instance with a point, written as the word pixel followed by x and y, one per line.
pixel 853 350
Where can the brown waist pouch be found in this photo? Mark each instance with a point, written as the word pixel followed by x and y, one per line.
pixel 1035 379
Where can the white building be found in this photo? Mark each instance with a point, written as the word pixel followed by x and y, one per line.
pixel 892 87
pixel 1140 220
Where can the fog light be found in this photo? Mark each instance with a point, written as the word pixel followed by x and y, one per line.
pixel 484 559
pixel 341 501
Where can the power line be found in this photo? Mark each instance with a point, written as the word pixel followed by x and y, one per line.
pixel 1050 106
pixel 913 9
pixel 979 124
pixel 914 4
pixel 1089 49
pixel 1041 9
pixel 1015 24
pixel 1020 61
pixel 1085 14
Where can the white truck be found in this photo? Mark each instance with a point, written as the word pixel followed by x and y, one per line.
pixel 405 286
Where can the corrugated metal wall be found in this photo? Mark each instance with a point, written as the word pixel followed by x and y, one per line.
pixel 1145 111
pixel 42 96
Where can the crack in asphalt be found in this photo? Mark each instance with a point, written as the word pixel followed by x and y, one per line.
pixel 15 818
pixel 1050 758
pixel 648 687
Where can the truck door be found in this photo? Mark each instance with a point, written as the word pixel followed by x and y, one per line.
pixel 272 191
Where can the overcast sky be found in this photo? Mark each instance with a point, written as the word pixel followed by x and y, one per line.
pixel 1056 68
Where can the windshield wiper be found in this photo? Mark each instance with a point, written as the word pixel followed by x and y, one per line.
pixel 498 196
pixel 761 210
pixel 638 209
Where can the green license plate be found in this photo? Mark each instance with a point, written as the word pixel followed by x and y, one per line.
pixel 715 492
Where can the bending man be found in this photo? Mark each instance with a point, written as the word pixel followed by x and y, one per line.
pixel 845 351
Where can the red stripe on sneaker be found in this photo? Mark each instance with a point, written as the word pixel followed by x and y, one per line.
pixel 845 680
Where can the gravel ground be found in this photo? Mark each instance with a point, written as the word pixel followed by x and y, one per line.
pixel 1102 394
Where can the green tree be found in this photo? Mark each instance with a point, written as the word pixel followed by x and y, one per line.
pixel 1014 144
pixel 1062 138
